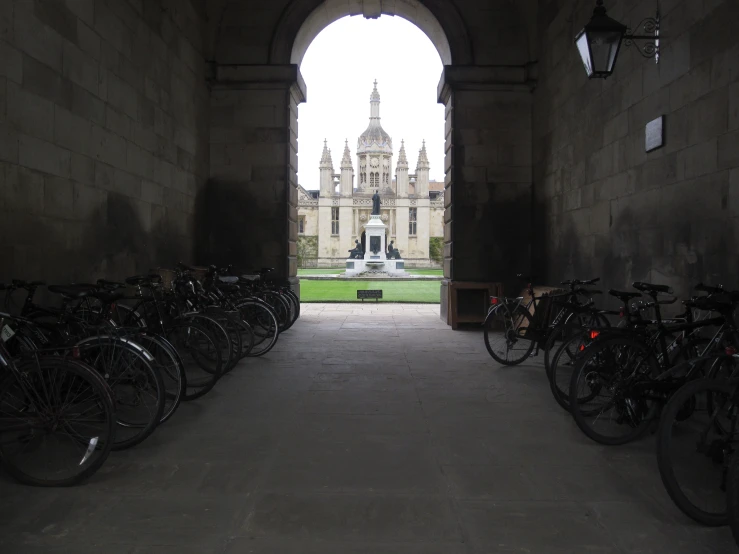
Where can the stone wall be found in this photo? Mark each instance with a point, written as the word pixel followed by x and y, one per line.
pixel 603 206
pixel 102 135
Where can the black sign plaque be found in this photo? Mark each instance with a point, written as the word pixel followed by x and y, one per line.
pixel 655 134
pixel 369 294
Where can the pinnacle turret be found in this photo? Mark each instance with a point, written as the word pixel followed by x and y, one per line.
pixel 423 159
pixel 346 161
pixel 375 97
pixel 402 158
pixel 326 162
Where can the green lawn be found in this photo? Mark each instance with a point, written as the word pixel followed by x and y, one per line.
pixel 438 272
pixel 392 291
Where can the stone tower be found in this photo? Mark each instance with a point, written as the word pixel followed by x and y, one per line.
pixel 402 173
pixel 422 173
pixel 327 171
pixel 375 152
pixel 346 188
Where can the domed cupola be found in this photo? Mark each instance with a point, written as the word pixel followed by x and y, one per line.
pixel 375 152
pixel 375 138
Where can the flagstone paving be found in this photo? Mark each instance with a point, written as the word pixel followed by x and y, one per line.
pixel 368 429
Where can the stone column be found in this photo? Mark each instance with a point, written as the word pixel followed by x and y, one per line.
pixel 250 201
pixel 422 227
pixel 488 192
pixel 401 226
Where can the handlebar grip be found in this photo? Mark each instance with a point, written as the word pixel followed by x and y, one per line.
pixel 709 288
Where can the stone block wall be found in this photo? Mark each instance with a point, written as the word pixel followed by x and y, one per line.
pixel 103 135
pixel 603 206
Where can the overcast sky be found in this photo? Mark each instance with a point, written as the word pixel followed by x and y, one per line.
pixel 339 69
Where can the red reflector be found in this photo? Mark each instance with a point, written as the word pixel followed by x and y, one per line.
pixel 594 334
pixel 582 347
pixel 621 312
pixel 493 300
pixel 730 350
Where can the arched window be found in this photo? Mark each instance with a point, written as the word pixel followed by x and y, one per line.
pixel 374 179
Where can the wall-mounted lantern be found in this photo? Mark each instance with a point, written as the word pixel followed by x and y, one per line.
pixel 600 41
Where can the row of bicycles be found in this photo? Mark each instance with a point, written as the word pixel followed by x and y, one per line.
pixel 100 366
pixel 626 373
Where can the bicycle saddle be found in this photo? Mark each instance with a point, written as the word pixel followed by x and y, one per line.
pixel 651 287
pixel 110 284
pixel 137 280
pixel 75 290
pixel 228 279
pixel 624 295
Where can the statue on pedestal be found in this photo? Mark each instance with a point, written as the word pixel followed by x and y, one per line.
pixel 356 253
pixel 376 204
pixel 392 252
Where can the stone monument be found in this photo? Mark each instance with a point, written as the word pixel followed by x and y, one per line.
pixel 376 254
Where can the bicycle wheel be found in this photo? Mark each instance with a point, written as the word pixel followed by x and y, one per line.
pixel 263 322
pixel 562 364
pixel 296 302
pixel 200 354
pixel 280 307
pixel 170 366
pixel 505 335
pixel 732 497
pixel 609 390
pixel 57 422
pixel 565 332
pixel 697 434
pixel 137 386
pixel 217 328
pixel 227 321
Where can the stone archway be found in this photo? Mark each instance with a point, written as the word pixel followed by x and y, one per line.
pixel 488 163
pixel 438 19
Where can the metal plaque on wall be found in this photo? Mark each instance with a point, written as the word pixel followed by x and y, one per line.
pixel 655 134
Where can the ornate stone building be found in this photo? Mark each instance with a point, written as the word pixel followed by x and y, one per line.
pixel 412 205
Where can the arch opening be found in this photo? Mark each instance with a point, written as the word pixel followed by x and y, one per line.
pixel 332 10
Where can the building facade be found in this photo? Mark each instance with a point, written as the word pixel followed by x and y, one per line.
pixel 332 218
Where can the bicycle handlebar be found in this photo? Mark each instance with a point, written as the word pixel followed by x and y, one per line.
pixel 709 288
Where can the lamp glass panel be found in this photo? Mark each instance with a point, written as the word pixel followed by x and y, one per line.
pixel 604 45
pixel 582 47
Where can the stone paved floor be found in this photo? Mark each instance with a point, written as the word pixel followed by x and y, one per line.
pixel 369 429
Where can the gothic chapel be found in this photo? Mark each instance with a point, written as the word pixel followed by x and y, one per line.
pixel 412 205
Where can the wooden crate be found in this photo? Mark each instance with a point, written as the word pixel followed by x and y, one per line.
pixel 468 302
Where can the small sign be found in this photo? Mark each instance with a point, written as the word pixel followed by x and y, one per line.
pixel 6 334
pixel 350 265
pixel 655 134
pixel 399 265
pixel 369 294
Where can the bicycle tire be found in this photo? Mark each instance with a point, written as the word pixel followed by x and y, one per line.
pixel 670 417
pixel 567 328
pixel 512 322
pixel 638 415
pixel 96 451
pixel 104 354
pixel 263 322
pixel 170 367
pixel 219 332
pixel 561 360
pixel 187 336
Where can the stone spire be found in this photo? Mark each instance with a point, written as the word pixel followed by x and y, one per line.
pixel 402 159
pixel 346 161
pixel 374 138
pixel 326 162
pixel 401 173
pixel 423 159
pixel 327 171
pixel 422 173
pixel 346 186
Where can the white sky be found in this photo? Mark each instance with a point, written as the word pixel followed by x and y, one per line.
pixel 339 69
